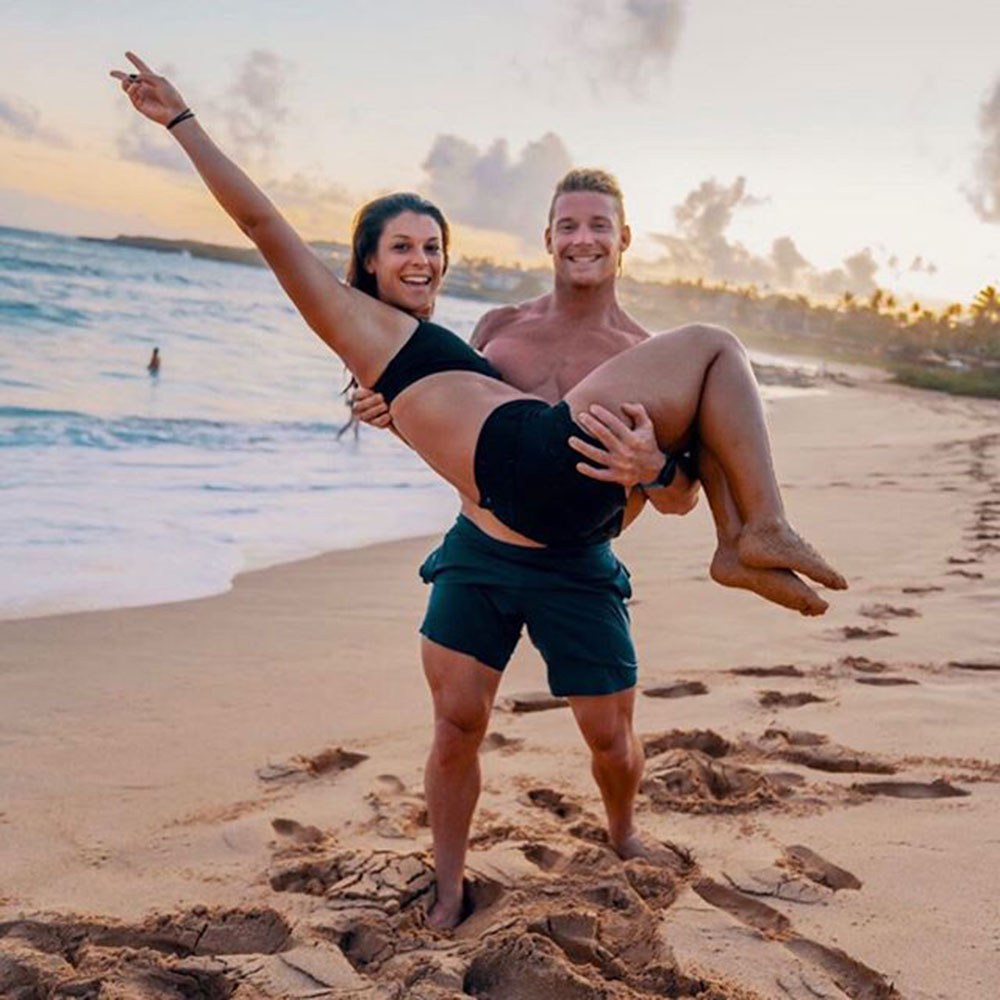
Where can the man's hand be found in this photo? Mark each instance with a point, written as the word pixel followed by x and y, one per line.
pixel 370 408
pixel 630 455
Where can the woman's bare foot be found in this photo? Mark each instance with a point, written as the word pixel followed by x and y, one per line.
pixel 778 585
pixel 776 545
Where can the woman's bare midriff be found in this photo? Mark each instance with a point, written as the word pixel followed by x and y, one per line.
pixel 491 525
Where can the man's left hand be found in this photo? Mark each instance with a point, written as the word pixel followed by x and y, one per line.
pixel 630 455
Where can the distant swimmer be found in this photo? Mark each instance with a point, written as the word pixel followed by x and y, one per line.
pixel 154 362
pixel 352 421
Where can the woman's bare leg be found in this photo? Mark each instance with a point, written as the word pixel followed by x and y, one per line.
pixel 778 585
pixel 700 377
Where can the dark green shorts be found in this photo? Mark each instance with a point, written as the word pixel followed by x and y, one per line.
pixel 571 600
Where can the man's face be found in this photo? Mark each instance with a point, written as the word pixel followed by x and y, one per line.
pixel 586 238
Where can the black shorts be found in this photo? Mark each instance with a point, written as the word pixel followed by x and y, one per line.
pixel 527 476
pixel 572 601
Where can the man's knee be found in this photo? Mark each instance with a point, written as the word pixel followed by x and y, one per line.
pixel 614 749
pixel 457 736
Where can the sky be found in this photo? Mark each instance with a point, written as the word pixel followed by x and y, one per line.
pixel 810 146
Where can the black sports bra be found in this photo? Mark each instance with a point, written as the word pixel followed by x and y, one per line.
pixel 430 349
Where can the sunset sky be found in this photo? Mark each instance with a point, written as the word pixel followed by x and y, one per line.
pixel 867 133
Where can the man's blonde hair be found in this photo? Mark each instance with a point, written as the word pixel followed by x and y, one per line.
pixel 589 179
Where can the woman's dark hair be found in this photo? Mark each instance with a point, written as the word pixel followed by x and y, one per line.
pixel 367 229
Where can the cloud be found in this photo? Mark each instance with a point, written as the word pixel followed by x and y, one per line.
pixel 856 275
pixel 23 121
pixel 788 262
pixel 627 43
pixel 701 248
pixel 984 194
pixel 255 105
pixel 493 191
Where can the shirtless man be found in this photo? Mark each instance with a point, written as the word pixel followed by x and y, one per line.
pixel 488 580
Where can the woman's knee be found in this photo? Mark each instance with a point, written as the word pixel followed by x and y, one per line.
pixel 714 339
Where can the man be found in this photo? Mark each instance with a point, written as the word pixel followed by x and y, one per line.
pixel 488 580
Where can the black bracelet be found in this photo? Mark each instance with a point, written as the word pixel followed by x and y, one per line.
pixel 182 117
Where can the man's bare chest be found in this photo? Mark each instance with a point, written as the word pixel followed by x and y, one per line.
pixel 534 361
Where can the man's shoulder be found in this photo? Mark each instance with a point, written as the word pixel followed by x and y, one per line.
pixel 503 317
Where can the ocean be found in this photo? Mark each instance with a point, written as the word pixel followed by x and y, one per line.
pixel 119 488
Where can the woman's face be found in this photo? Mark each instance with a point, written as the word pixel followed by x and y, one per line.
pixel 408 263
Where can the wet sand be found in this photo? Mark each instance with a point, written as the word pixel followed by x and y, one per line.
pixel 223 798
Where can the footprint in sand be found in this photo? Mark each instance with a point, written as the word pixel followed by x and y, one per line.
pixel 297 832
pixel 533 701
pixel 861 632
pixel 981 665
pixel 781 670
pixel 810 864
pixel 881 612
pixel 301 768
pixel 863 664
pixel 398 816
pixel 816 752
pixel 965 573
pixel 937 789
pixel 706 740
pixel 541 855
pixel 929 588
pixel 890 681
pixel 497 741
pixel 780 699
pixel 960 561
pixel 986 549
pixel 678 689
pixel 554 802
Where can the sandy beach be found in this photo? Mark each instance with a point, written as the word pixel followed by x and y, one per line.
pixel 222 797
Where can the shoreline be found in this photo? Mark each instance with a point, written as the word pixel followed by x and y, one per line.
pixel 778 381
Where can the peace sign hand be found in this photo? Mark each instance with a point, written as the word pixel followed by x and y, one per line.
pixel 151 95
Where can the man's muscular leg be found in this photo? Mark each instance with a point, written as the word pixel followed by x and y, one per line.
pixel 617 761
pixel 463 690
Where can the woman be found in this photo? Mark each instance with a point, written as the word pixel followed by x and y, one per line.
pixel 503 448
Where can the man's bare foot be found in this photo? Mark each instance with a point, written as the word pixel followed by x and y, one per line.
pixel 776 545
pixel 677 859
pixel 778 585
pixel 446 914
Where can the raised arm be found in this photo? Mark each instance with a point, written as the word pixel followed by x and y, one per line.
pixel 362 330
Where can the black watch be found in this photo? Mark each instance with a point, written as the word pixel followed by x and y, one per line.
pixel 666 475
